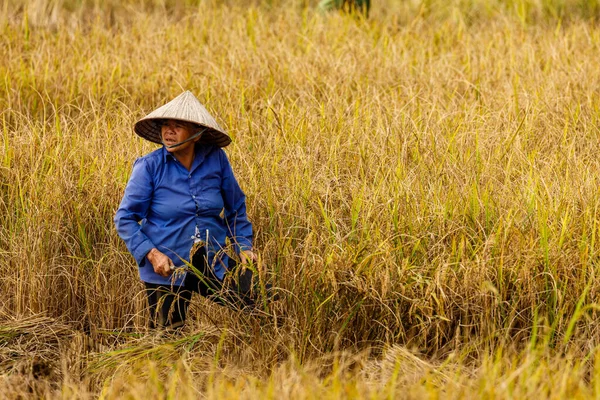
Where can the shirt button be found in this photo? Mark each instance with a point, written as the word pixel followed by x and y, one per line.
pixel 193 197
pixel 189 177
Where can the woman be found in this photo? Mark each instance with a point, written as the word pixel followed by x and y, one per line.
pixel 182 203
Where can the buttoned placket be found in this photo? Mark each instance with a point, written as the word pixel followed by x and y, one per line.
pixel 192 189
pixel 194 192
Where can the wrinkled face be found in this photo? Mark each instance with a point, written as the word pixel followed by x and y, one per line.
pixel 173 131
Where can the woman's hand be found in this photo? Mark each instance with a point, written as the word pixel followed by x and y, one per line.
pixel 161 263
pixel 247 256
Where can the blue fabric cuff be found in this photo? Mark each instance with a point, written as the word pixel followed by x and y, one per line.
pixel 140 252
pixel 243 244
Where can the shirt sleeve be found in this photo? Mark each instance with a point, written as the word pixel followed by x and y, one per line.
pixel 133 209
pixel 239 229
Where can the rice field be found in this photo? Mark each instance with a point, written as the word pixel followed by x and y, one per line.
pixel 423 185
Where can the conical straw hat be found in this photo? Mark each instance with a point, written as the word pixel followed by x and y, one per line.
pixel 185 107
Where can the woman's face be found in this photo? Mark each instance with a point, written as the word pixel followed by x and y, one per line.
pixel 173 131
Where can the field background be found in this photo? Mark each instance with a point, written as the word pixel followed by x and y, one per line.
pixel 423 186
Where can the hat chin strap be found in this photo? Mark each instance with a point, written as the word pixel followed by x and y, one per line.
pixel 194 136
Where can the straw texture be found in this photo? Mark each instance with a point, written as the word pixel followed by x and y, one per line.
pixel 185 107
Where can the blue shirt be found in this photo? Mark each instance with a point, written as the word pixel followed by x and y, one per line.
pixel 167 207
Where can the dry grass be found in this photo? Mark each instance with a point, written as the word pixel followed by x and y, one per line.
pixel 423 185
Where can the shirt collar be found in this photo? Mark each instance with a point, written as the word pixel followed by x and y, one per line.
pixel 201 152
pixel 166 155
